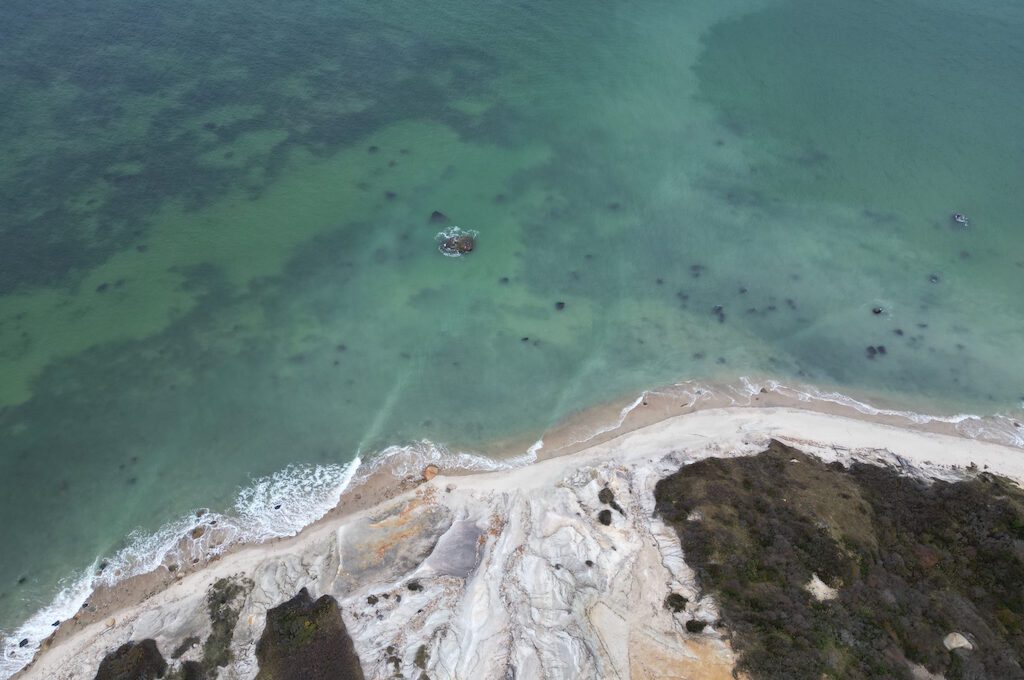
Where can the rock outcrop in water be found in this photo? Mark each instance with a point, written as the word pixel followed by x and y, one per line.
pixel 307 640
pixel 458 245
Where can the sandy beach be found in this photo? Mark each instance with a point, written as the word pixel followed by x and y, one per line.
pixel 641 449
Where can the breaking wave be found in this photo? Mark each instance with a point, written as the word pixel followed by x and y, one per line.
pixel 279 505
pixel 410 459
pixel 997 428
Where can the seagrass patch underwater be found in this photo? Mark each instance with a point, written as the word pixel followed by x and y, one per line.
pixel 217 231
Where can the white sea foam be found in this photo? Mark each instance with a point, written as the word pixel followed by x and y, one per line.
pixel 453 232
pixel 69 600
pixel 410 459
pixel 692 394
pixel 275 506
pixel 612 425
pixel 279 505
pixel 997 428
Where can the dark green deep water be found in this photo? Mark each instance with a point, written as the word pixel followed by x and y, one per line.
pixel 216 255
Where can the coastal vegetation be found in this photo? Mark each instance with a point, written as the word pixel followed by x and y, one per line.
pixel 826 571
pixel 307 639
pixel 133 661
pixel 224 602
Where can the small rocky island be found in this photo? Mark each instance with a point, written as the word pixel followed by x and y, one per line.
pixel 458 245
pixel 777 545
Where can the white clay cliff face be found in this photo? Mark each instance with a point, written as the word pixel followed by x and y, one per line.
pixel 458 580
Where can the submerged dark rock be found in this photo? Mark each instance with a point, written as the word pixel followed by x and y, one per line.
pixel 912 561
pixel 438 217
pixel 133 661
pixel 307 640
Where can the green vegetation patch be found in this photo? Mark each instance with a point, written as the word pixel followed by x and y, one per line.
pixel 133 661
pixel 225 604
pixel 308 640
pixel 422 657
pixel 911 562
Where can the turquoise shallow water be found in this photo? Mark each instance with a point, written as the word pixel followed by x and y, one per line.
pixel 217 258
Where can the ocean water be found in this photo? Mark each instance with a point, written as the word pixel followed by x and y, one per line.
pixel 218 263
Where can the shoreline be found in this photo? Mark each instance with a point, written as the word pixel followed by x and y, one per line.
pixel 396 471
pixel 611 419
